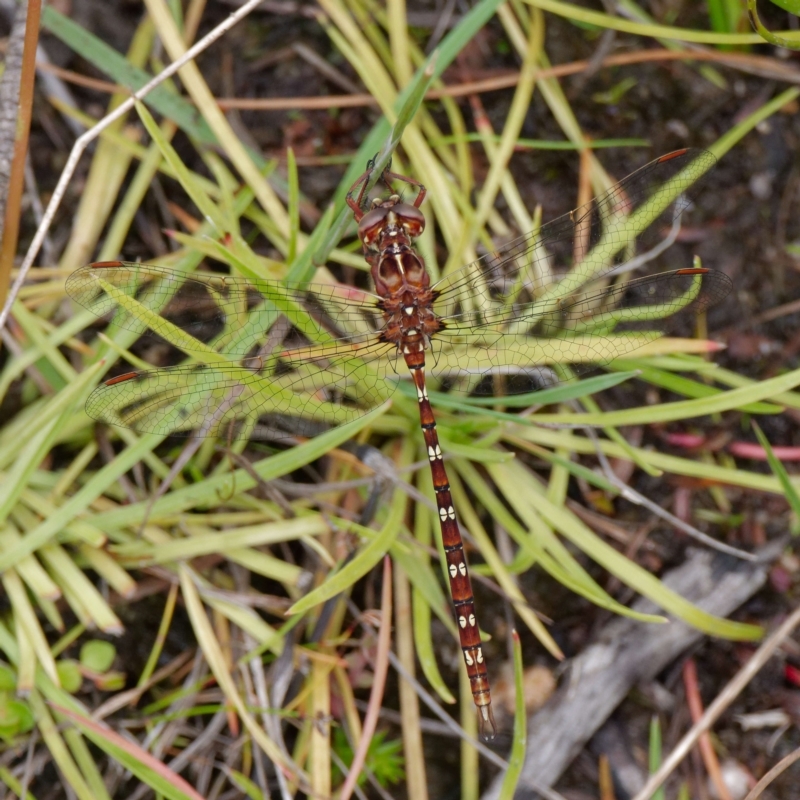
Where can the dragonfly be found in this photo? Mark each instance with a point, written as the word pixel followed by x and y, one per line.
pixel 270 357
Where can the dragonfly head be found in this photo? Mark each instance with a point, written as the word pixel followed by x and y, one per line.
pixel 391 201
pixel 390 219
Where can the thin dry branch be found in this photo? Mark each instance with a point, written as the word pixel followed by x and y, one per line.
pixel 83 142
pixel 761 66
pixel 754 65
pixel 721 703
pixel 9 101
pixel 780 767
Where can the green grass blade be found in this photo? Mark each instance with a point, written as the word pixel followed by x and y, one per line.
pixel 212 651
pixel 185 178
pixel 110 62
pixel 780 472
pixel 51 421
pixel 655 754
pixel 683 409
pixel 686 386
pixel 57 749
pixel 601 20
pixel 364 560
pixel 519 741
pixel 640 579
pixel 411 100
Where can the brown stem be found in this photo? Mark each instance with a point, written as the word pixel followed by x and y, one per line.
pixel 28 14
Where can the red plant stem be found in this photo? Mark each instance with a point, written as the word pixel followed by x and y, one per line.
pixel 757 453
pixel 695 703
pixel 379 683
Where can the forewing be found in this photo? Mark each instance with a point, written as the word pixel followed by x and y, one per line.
pixel 508 313
pixel 576 248
pixel 226 312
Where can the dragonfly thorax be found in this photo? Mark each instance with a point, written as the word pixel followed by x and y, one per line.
pixel 399 269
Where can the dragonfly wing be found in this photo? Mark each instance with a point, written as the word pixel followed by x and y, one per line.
pixel 224 312
pixel 576 248
pixel 296 394
pixel 586 331
pixel 502 317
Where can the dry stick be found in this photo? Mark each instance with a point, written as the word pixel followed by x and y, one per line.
pixel 632 496
pixel 758 65
pixel 781 766
pixel 83 141
pixel 16 178
pixel 78 79
pixel 9 101
pixel 376 693
pixel 605 782
pixel 774 313
pixel 723 700
pixel 409 703
pixel 625 653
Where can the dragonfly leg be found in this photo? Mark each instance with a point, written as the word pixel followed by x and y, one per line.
pixel 355 204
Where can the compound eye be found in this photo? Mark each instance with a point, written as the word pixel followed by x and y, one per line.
pixel 371 224
pixel 411 218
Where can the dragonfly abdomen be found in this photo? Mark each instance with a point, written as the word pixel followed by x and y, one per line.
pixel 457 570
